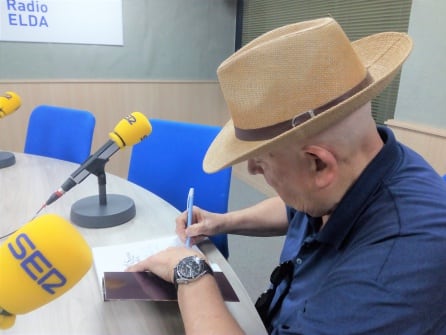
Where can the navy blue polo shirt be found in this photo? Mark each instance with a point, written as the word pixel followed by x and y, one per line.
pixel 378 266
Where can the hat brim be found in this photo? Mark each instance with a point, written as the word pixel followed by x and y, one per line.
pixel 382 54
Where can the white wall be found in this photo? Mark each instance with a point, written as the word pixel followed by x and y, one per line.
pixel 163 40
pixel 422 93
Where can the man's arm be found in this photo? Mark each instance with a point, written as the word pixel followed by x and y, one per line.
pixel 203 309
pixel 267 218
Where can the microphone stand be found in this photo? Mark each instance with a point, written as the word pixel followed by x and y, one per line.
pixel 104 210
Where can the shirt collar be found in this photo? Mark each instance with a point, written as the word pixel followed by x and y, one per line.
pixel 345 215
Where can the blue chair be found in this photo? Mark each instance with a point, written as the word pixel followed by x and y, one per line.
pixel 60 132
pixel 169 161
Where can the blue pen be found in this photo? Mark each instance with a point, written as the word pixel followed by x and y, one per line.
pixel 190 204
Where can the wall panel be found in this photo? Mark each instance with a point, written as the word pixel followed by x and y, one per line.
pixel 110 101
pixel 428 141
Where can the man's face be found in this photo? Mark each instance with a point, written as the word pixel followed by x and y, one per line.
pixel 287 171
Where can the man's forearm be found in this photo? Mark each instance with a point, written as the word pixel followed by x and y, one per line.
pixel 203 309
pixel 267 218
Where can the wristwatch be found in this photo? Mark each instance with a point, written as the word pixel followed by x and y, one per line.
pixel 189 269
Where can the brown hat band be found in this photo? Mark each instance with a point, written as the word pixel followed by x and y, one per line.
pixel 266 133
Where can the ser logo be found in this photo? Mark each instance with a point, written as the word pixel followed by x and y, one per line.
pixel 35 264
pixel 131 119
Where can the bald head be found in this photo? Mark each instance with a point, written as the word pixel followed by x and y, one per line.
pixel 353 140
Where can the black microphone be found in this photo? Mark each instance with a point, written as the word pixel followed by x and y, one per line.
pixel 130 130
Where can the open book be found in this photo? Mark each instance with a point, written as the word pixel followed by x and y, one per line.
pixel 111 261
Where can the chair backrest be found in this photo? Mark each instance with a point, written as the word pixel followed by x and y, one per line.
pixel 169 161
pixel 60 132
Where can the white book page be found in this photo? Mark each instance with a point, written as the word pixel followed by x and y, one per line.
pixel 116 258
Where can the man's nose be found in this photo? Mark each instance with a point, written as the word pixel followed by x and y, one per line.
pixel 254 167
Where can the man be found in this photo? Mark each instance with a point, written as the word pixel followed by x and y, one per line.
pixel 364 216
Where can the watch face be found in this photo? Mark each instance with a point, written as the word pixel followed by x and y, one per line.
pixel 190 267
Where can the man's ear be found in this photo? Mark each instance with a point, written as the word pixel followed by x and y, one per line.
pixel 323 165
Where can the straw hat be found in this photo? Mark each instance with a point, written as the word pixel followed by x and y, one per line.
pixel 297 80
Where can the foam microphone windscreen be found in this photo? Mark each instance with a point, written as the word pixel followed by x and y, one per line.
pixel 38 263
pixel 9 103
pixel 131 130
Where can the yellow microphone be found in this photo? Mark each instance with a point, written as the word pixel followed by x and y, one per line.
pixel 9 103
pixel 129 131
pixel 39 262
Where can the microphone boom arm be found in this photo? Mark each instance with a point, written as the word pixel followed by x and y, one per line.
pixel 128 131
pixel 94 164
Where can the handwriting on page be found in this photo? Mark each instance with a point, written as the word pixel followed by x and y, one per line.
pixel 130 259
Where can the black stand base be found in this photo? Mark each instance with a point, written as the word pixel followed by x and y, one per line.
pixel 6 159
pixel 89 213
